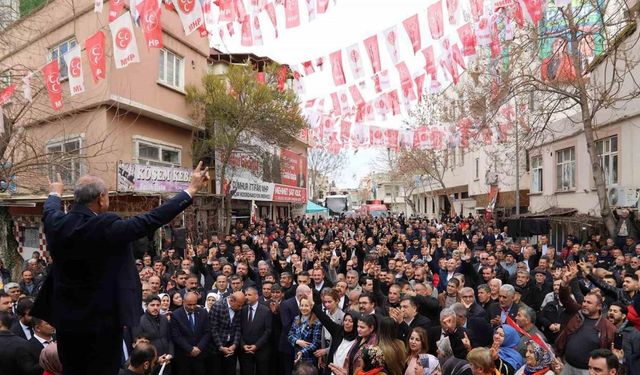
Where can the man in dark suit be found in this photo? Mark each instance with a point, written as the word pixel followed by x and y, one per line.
pixel 93 288
pixel 15 357
pixel 190 334
pixel 255 330
pixel 477 328
pixel 408 318
pixel 288 311
pixel 224 320
pixel 22 326
pixel 497 313
pixel 42 336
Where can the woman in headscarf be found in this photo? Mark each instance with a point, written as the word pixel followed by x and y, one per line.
pixel 503 350
pixel 49 360
pixel 343 336
pixel 210 301
pixel 165 303
pixel 176 300
pixel 373 362
pixel 538 361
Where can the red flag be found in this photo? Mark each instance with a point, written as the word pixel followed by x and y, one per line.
pixel 191 16
pixel 373 51
pixel 430 61
pixel 468 39
pixel 394 102
pixel 241 11
pixel 231 29
pixel 405 139
pixel 391 138
pixel 115 7
pixel 453 10
pixel 322 6
pixel 6 94
pixel 271 11
pixel 420 85
pixel 412 26
pixel 421 137
pixel 150 21
pixel 344 101
pixel 308 67
pixel 391 40
pixel 335 101
pixel 477 9
pixel 282 77
pixel 457 55
pixel 247 37
pixel 376 136
pixel 51 73
pixel 336 68
pixel 125 48
pixel 94 48
pixel 227 11
pixel 483 31
pixel 358 100
pixel 381 105
pixel 533 10
pixel 292 13
pixel 464 129
pixel 345 131
pixel 434 15
pixel 381 81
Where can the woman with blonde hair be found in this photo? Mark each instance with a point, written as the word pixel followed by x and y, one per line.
pixel 305 333
pixel 482 362
pixel 419 361
pixel 394 350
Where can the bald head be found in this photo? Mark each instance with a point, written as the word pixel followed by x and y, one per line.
pixel 236 300
pixel 190 301
pixel 92 192
pixel 303 291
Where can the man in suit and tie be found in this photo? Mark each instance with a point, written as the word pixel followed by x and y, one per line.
pixel 224 320
pixel 22 326
pixel 478 329
pixel 42 337
pixel 93 288
pixel 255 334
pixel 498 313
pixel 190 334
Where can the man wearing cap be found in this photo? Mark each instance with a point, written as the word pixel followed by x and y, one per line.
pixel 539 289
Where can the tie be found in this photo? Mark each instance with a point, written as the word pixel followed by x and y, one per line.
pixel 250 314
pixel 192 321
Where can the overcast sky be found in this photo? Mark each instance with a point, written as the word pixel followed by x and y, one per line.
pixel 345 23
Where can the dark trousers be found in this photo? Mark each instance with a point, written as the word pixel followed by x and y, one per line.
pixel 287 363
pixel 98 353
pixel 254 364
pixel 224 365
pixel 185 365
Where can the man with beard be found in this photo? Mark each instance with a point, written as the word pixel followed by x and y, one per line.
pixel 553 315
pixel 630 337
pixel 143 358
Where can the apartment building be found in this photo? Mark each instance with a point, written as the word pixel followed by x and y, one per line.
pixel 132 128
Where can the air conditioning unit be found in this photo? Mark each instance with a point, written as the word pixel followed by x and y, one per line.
pixel 622 196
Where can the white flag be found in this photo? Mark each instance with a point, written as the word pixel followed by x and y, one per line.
pixel 26 88
pixel 125 48
pixel 74 68
pixel 190 13
pixel 97 6
pixel 391 40
pixel 355 61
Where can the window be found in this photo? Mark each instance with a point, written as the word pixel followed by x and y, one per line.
pixel 157 154
pixel 171 69
pixel 608 154
pixel 31 238
pixel 536 174
pixel 477 169
pixel 461 156
pixel 565 169
pixel 57 53
pixel 65 159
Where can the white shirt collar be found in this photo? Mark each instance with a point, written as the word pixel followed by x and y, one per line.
pixel 26 330
pixel 42 341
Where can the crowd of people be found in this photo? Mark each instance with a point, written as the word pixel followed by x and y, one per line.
pixel 390 295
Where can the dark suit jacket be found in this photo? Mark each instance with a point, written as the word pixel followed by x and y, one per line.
pixel 16 328
pixel 494 310
pixel 259 330
pixel 16 357
pixel 418 321
pixel 224 331
pixel 288 311
pixel 35 347
pixel 184 337
pixel 93 276
pixel 479 331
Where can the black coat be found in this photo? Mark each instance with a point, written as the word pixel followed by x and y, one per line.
pixel 335 330
pixel 158 331
pixel 258 331
pixel 16 357
pixel 184 337
pixel 494 310
pixel 479 332
pixel 93 276
pixel 419 321
pixel 35 347
pixel 288 312
pixel 16 328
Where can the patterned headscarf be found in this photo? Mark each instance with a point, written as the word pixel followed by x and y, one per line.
pixel 49 360
pixel 543 358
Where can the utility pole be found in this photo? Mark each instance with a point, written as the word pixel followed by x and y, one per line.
pixel 517 161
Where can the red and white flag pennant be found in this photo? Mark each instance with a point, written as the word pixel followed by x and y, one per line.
pixel 468 39
pixel 125 48
pixel 115 8
pixel 412 27
pixel 190 12
pixel 94 48
pixel 354 56
pixel 435 20
pixel 454 11
pixel 51 73
pixel 381 81
pixel 311 9
pixel 373 52
pixel 337 70
pixel 292 13
pixel 73 61
pixel 391 40
pixel 6 94
pixel 150 15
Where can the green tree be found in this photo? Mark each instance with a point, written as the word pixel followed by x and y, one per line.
pixel 242 115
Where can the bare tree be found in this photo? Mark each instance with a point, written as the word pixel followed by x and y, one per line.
pixel 323 164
